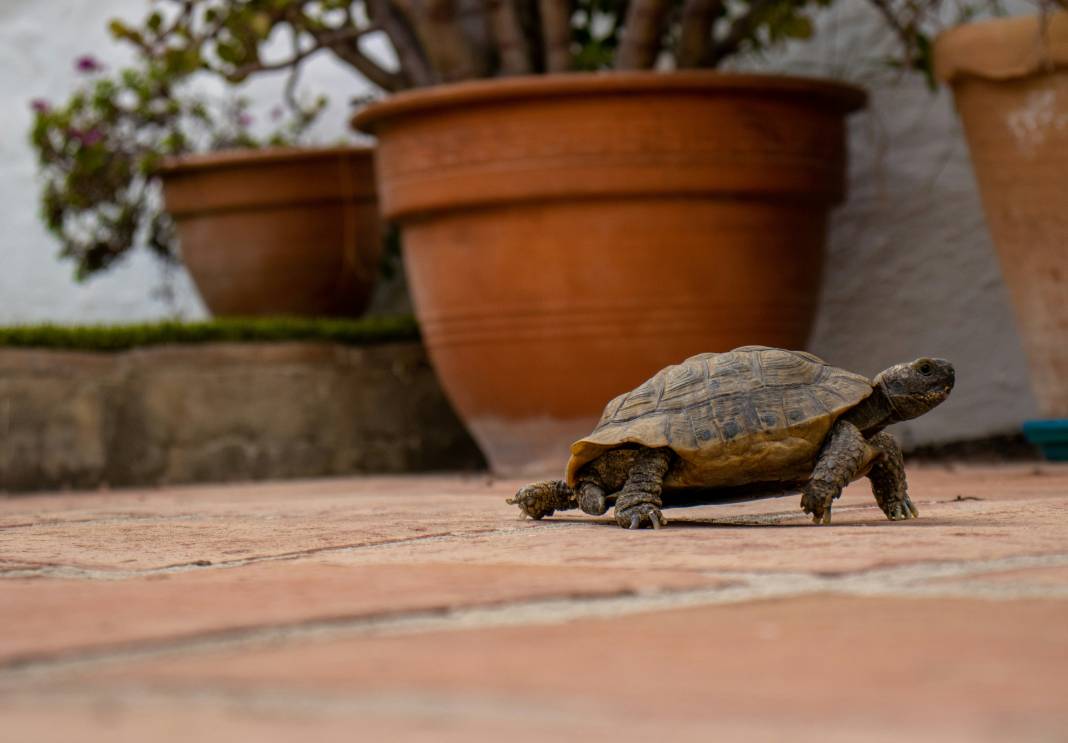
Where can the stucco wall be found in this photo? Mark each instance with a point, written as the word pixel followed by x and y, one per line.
pixel 910 272
pixel 39 42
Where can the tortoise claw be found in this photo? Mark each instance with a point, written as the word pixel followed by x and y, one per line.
pixel 817 499
pixel 902 510
pixel 639 516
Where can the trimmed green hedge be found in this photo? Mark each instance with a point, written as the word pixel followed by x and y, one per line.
pixel 364 331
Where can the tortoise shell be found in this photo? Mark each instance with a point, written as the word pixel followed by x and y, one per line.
pixel 754 414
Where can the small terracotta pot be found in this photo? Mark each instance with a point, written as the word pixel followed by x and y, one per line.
pixel 279 231
pixel 567 236
pixel 1010 81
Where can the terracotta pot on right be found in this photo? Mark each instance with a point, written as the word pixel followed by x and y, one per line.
pixel 566 236
pixel 1010 81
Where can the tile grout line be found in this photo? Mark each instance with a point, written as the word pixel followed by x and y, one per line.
pixel 881 582
pixel 78 573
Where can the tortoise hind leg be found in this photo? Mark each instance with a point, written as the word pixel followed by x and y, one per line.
pixel 638 503
pixel 544 498
pixel 591 498
pixel 887 477
pixel 606 474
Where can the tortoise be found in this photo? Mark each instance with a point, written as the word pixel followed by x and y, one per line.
pixel 750 423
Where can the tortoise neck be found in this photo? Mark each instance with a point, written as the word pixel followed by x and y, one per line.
pixel 873 413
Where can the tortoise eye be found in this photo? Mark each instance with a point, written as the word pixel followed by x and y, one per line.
pixel 925 368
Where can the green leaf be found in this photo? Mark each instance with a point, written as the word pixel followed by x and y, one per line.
pixel 797 27
pixel 923 60
pixel 118 29
pixel 260 23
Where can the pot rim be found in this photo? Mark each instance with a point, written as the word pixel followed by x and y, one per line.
pixel 251 157
pixel 842 96
pixel 1002 48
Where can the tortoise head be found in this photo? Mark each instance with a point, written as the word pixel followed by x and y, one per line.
pixel 914 388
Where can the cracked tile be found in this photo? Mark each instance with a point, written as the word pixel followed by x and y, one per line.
pixel 48 617
pixel 805 669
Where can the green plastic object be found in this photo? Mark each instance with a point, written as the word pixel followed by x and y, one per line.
pixel 1051 436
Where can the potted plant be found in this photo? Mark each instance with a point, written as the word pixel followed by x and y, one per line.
pixel 567 232
pixel 1009 77
pixel 266 227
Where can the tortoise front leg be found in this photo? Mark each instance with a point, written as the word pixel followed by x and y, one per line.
pixel 887 477
pixel 638 503
pixel 840 460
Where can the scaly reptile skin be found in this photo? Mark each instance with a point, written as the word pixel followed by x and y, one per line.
pixel 639 500
pixel 837 465
pixel 888 478
pixel 544 498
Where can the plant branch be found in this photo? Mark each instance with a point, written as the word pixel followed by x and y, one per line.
pixel 415 69
pixel 695 35
pixel 289 93
pixel 441 36
pixel 513 51
pixel 473 20
pixel 383 78
pixel 325 40
pixel 345 43
pixel 556 34
pixel 906 31
pixel 642 33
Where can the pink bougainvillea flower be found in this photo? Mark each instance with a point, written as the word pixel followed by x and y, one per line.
pixel 244 120
pixel 40 105
pixel 87 63
pixel 86 138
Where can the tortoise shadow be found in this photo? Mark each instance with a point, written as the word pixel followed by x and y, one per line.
pixel 677 525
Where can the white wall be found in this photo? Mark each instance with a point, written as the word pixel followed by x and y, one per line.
pixel 911 270
pixel 39 41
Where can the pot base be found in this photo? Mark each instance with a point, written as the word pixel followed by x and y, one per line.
pixel 531 447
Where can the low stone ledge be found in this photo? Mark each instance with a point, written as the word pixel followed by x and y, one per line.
pixel 222 412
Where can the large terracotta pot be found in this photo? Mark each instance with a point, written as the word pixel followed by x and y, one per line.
pixel 567 236
pixel 279 231
pixel 1010 81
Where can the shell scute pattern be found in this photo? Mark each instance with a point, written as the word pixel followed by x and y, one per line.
pixel 639 402
pixel 684 381
pixel 727 415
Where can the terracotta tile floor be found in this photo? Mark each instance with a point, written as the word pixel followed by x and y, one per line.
pixel 421 608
